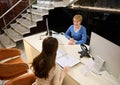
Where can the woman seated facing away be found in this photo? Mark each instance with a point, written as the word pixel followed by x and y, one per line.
pixel 76 33
pixel 46 70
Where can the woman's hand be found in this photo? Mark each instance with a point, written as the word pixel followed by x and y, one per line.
pixel 71 41
pixel 66 69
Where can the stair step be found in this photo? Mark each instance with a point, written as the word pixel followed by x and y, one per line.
pixel 19 28
pixel 46 6
pixel 46 2
pixel 57 3
pixel 34 17
pixel 13 35
pixel 61 4
pixel 26 23
pixel 38 11
pixel 6 41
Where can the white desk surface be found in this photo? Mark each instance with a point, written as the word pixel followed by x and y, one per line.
pixel 76 72
pixel 36 42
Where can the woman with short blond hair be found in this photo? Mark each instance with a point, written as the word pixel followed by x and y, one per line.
pixel 76 33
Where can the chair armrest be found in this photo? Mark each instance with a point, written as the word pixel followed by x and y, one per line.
pixel 8 70
pixel 26 79
pixel 9 52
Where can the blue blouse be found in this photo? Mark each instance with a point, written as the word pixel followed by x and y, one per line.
pixel 80 36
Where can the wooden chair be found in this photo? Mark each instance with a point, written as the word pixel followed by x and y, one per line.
pixel 11 63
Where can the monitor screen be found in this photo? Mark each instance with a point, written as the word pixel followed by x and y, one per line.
pixel 108 51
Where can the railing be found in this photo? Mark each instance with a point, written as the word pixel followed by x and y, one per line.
pixel 29 6
pixel 10 9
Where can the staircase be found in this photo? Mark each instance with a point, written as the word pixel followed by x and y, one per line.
pixel 22 26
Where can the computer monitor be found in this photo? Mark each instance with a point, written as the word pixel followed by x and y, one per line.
pixel 108 51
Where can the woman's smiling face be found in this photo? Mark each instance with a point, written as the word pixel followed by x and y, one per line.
pixel 76 23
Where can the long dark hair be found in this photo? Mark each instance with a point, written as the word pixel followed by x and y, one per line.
pixel 43 63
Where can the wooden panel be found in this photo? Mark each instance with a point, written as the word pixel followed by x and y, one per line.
pixel 1 25
pixel 22 5
pixel 6 4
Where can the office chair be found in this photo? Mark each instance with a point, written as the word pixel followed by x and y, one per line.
pixel 88 40
pixel 11 63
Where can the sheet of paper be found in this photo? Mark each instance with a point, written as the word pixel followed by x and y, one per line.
pixel 61 53
pixel 88 66
pixel 67 61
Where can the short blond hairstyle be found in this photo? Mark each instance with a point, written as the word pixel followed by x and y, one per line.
pixel 78 17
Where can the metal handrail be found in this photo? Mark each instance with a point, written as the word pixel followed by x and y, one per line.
pixel 10 9
pixel 18 14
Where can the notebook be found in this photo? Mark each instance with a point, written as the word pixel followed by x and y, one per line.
pixel 67 60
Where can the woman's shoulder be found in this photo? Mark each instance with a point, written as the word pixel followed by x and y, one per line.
pixel 54 69
pixel 57 68
pixel 71 27
pixel 83 27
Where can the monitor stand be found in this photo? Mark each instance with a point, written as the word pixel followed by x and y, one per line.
pixel 49 33
pixel 98 65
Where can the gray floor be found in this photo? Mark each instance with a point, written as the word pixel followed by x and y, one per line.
pixel 20 46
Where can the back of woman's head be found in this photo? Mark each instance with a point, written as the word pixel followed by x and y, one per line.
pixel 50 45
pixel 43 63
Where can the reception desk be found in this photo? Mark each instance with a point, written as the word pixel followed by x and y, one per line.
pixel 75 76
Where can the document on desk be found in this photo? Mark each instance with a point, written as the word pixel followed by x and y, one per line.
pixel 62 40
pixel 67 60
pixel 61 53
